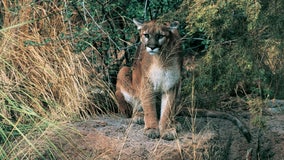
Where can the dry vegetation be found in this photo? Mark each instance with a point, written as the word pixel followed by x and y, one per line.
pixel 39 68
pixel 41 79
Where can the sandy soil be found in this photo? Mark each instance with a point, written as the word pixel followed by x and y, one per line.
pixel 114 137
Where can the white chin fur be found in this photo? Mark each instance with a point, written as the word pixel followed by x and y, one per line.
pixel 152 51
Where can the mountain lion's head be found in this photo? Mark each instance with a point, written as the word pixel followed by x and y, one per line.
pixel 155 36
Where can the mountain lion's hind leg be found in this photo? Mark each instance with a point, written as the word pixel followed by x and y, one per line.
pixel 138 114
pixel 124 92
pixel 128 103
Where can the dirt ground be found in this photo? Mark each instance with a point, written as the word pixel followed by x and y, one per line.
pixel 114 137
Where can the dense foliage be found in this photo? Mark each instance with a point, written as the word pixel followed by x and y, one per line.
pixel 245 47
pixel 240 40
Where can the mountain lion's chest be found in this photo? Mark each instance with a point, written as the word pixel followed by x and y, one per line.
pixel 163 79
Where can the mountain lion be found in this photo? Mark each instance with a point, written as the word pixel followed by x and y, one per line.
pixel 154 77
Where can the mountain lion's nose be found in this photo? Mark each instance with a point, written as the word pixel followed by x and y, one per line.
pixel 152 47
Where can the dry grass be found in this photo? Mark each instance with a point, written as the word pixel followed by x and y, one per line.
pixel 42 81
pixel 44 76
pixel 39 67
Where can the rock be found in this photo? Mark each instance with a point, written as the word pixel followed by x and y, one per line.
pixel 275 106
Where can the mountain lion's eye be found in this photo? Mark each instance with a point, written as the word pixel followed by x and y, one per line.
pixel 146 35
pixel 159 36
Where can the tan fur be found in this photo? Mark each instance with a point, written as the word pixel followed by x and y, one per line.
pixel 156 71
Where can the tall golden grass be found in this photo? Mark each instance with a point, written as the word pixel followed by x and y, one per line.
pixel 41 79
pixel 39 68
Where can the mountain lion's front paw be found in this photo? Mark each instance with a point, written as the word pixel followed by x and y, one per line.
pixel 169 134
pixel 152 133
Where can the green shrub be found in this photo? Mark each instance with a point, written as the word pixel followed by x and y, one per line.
pixel 239 45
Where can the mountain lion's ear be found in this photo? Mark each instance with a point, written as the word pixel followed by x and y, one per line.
pixel 138 23
pixel 174 25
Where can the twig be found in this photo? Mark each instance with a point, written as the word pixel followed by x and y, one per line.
pixel 145 9
pixel 215 114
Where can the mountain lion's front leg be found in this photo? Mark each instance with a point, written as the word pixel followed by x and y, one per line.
pixel 166 124
pixel 148 101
